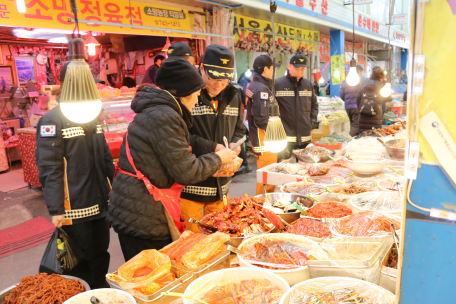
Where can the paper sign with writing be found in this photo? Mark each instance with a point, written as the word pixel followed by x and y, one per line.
pixel 337 64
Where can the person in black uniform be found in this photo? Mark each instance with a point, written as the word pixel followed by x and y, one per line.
pixel 76 170
pixel 259 97
pixel 180 50
pixel 298 105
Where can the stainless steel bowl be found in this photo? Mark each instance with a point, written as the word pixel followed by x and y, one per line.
pixel 9 290
pixel 396 153
pixel 287 217
pixel 310 159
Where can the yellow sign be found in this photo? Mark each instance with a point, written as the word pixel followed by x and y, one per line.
pixel 55 14
pixel 249 25
pixel 337 64
pixel 438 46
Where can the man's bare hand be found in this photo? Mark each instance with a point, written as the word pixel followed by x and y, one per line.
pixel 219 147
pixel 237 150
pixel 57 220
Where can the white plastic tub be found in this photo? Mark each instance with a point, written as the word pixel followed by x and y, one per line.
pixel 384 295
pixel 366 164
pixel 204 283
pixel 385 202
pixel 291 276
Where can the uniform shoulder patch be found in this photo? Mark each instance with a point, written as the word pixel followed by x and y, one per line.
pixel 249 93
pixel 264 95
pixel 48 131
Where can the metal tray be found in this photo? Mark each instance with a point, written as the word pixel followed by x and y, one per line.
pixel 388 276
pixel 367 268
pixel 183 278
pixel 7 291
pixel 221 261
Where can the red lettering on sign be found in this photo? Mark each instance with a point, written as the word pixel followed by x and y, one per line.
pixel 136 15
pixel 377 27
pixel 93 18
pixel 300 3
pixel 368 23
pixel 360 20
pixel 4 11
pixel 63 18
pixel 113 8
pixel 364 22
pixel 38 14
pixel 313 4
pixel 324 7
pixel 61 6
pixel 86 8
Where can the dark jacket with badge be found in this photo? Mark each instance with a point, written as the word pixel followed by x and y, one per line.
pixel 298 107
pixel 372 87
pixel 159 145
pixel 259 98
pixel 75 167
pixel 209 128
pixel 349 94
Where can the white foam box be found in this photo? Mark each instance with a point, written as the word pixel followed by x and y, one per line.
pixel 274 178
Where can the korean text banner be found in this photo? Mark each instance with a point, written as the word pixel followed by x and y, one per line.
pixel 249 25
pixel 337 63
pixel 54 14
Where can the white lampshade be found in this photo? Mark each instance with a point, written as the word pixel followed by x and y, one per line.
pixel 352 77
pixel 275 139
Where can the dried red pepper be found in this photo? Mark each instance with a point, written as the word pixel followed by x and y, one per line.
pixel 309 227
pixel 329 210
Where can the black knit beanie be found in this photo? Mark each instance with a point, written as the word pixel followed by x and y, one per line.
pixel 179 76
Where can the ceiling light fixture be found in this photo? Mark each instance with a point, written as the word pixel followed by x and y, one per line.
pixel 21 8
pixel 91 43
pixel 353 77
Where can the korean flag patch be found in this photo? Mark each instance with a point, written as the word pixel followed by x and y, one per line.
pixel 47 131
pixel 264 95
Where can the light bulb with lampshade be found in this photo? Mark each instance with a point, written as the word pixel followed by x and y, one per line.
pixel 352 77
pixel 248 73
pixel 275 139
pixel 336 73
pixel 91 43
pixel 386 90
pixel 20 4
pixel 322 80
pixel 167 45
pixel 80 101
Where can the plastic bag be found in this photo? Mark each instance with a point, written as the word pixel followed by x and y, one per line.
pixel 382 201
pixel 339 171
pixel 329 210
pixel 146 272
pixel 305 188
pixel 288 168
pixel 238 285
pixel 231 168
pixel 366 224
pixel 317 169
pixel 61 254
pixel 328 180
pixel 309 227
pixel 330 290
pixel 194 249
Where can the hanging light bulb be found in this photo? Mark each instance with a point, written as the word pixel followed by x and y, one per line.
pixel 275 139
pixel 352 77
pixel 248 73
pixel 167 45
pixel 79 101
pixel 322 80
pixel 21 6
pixel 386 72
pixel 386 90
pixel 91 43
pixel 336 73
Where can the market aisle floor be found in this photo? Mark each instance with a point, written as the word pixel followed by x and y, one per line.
pixel 21 205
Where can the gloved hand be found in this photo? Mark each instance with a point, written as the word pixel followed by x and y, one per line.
pixel 315 125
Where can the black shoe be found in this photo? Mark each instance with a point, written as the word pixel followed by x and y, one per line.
pixel 243 170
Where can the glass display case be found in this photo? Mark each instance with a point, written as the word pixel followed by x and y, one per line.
pixel 117 113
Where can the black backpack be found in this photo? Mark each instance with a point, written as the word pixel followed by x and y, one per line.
pixel 369 106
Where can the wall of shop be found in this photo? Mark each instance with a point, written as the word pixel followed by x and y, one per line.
pixel 5 51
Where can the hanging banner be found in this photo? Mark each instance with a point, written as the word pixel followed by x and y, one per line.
pixel 337 64
pixel 400 19
pixel 249 25
pixel 358 50
pixel 324 49
pixel 55 14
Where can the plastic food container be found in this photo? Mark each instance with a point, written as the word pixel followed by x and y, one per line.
pixel 183 278
pixel 374 293
pixel 202 284
pixel 364 263
pixel 389 183
pixel 366 164
pixel 316 189
pixel 385 234
pixel 105 295
pixel 388 202
pixel 388 276
pixel 291 276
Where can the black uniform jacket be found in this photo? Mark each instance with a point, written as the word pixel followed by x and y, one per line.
pixel 209 128
pixel 298 107
pixel 75 167
pixel 259 98
pixel 159 145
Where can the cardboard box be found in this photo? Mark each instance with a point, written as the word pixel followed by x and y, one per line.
pixel 274 178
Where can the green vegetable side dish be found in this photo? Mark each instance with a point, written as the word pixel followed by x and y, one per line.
pixel 344 136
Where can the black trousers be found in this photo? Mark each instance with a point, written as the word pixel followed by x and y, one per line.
pixel 131 246
pixel 243 155
pixel 288 152
pixel 92 238
pixel 353 115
